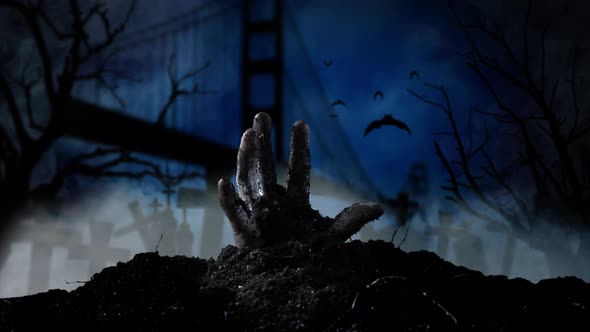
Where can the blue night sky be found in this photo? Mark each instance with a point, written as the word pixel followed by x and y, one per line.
pixel 373 45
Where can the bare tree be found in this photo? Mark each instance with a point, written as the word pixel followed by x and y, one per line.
pixel 86 36
pixel 544 134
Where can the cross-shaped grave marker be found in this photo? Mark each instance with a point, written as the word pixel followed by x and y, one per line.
pixel 141 224
pixel 151 228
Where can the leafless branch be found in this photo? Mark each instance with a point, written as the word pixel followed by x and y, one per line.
pixel 100 76
pixel 573 83
pixel 470 129
pixel 558 140
pixel 579 134
pixel 43 14
pixel 428 101
pixel 525 33
pixel 20 152
pixel 553 93
pixel 26 85
pixel 475 56
pixel 103 162
pixel 464 157
pixel 13 110
pixel 492 171
pixel 175 86
pixel 522 126
pixel 7 147
pixel 457 197
pixel 29 13
pixel 111 33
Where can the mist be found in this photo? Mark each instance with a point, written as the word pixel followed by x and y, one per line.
pixel 373 46
pixel 41 250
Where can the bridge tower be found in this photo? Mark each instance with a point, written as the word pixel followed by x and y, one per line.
pixel 262 74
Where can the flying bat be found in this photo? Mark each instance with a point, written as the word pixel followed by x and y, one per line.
pixel 338 102
pixel 378 94
pixel 327 63
pixel 387 120
pixel 414 74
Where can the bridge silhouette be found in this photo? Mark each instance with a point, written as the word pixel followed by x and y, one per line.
pixel 256 60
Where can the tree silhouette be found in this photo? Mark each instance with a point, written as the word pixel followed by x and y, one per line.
pixel 72 44
pixel 545 133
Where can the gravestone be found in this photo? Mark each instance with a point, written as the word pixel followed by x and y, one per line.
pixel 468 247
pixel 99 252
pixel 44 237
pixel 441 232
pixel 188 198
pixel 509 247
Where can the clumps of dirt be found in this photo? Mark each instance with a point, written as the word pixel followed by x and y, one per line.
pixel 355 286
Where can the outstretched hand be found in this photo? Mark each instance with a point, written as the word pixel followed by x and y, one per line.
pixel 264 213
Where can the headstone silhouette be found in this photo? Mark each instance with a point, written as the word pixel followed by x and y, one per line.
pixel 403 207
pixel 142 224
pixel 468 247
pixel 441 232
pixel 509 248
pixel 177 239
pixel 185 240
pixel 166 227
pixel 213 219
pixel 44 236
pixel 99 252
pixel 188 198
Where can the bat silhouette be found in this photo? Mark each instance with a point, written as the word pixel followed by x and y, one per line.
pixel 338 102
pixel 378 94
pixel 327 63
pixel 333 115
pixel 414 74
pixel 387 120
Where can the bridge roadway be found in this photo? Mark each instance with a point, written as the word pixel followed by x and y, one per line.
pixel 88 122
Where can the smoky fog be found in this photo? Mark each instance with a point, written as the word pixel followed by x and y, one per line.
pixel 62 250
pixel 180 79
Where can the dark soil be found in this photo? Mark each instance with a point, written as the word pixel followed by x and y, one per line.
pixel 354 287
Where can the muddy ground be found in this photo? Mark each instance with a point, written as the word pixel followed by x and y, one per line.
pixel 354 287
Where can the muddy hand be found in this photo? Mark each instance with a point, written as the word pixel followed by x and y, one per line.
pixel 263 212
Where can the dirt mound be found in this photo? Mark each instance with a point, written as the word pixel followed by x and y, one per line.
pixel 356 286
